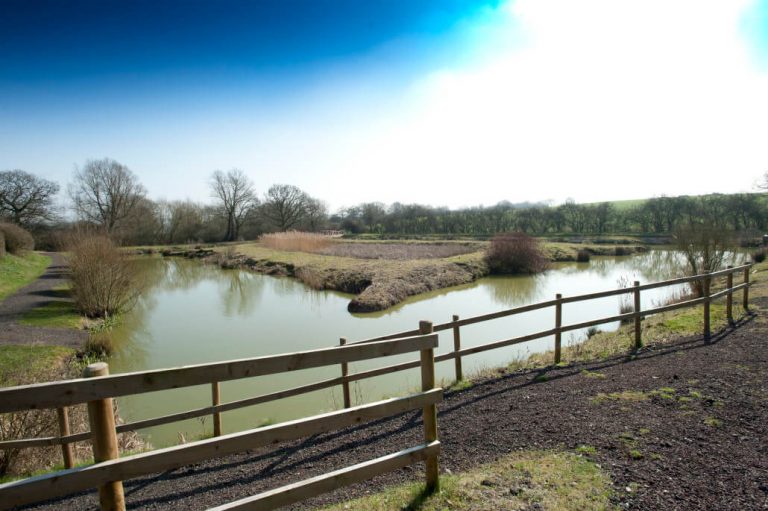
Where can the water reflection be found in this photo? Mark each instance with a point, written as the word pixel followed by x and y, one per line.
pixel 194 313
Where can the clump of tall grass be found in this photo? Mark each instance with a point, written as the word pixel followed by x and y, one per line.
pixel 515 252
pixel 17 240
pixel 296 241
pixel 103 279
pixel 583 256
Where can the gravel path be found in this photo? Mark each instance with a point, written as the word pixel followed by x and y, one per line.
pixel 697 440
pixel 36 294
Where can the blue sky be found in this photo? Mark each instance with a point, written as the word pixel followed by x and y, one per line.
pixel 447 102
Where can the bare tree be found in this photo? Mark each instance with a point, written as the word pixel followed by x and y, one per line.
pixel 704 246
pixel 236 198
pixel 284 206
pixel 106 193
pixel 25 198
pixel 315 214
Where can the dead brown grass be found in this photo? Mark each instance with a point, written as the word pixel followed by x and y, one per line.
pixel 398 251
pixel 296 241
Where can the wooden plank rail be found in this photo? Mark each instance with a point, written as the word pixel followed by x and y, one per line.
pixel 69 392
pixel 296 492
pixel 73 480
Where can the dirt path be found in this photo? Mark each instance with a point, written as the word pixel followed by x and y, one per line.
pixel 678 427
pixel 36 294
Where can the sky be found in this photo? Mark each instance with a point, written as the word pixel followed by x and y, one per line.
pixel 445 102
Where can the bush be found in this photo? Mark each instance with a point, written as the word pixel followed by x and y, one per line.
pixel 619 251
pixel 583 256
pixel 512 253
pixel 103 280
pixel 17 240
pixel 759 256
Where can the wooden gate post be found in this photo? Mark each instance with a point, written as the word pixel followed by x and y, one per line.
pixel 745 302
pixel 729 297
pixel 101 417
pixel 706 283
pixel 456 349
pixel 345 382
pixel 66 449
pixel 430 411
pixel 216 400
pixel 558 324
pixel 638 331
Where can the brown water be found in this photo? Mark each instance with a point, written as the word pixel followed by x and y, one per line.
pixel 194 313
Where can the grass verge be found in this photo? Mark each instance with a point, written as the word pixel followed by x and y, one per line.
pixel 557 481
pixel 31 357
pixel 18 271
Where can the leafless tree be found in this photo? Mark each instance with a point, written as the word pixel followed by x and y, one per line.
pixel 315 214
pixel 106 193
pixel 705 246
pixel 236 197
pixel 284 206
pixel 26 199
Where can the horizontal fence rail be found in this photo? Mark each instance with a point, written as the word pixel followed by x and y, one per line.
pixel 109 471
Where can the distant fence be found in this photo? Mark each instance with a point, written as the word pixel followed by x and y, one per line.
pixel 98 389
pixel 60 395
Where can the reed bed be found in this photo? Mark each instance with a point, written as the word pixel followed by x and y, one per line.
pixel 296 241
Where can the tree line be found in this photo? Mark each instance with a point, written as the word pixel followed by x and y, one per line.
pixel 108 196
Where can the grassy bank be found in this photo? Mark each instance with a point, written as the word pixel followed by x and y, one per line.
pixel 384 274
pixel 18 271
pixel 524 480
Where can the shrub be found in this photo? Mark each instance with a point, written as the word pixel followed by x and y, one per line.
pixel 582 256
pixel 515 253
pixel 17 240
pixel 103 280
pixel 758 256
pixel 296 241
pixel 619 251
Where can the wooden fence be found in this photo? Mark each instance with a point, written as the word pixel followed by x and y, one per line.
pixel 61 395
pixel 98 388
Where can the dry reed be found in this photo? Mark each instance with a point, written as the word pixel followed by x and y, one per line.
pixel 296 241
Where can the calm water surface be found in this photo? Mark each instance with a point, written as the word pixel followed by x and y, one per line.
pixel 195 313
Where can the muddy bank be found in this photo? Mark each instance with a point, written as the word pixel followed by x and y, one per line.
pixel 376 288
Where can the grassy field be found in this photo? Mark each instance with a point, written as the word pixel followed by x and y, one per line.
pixel 549 480
pixel 18 271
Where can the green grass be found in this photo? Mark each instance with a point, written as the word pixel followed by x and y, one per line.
pixel 32 358
pixel 550 480
pixel 53 315
pixel 18 271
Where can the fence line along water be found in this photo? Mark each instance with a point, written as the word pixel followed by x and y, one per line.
pixel 61 395
pixel 98 389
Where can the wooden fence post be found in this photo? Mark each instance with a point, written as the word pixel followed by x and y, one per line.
pixel 456 349
pixel 638 332
pixel 430 411
pixel 66 449
pixel 729 297
pixel 558 324
pixel 745 302
pixel 216 399
pixel 705 291
pixel 101 417
pixel 345 383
